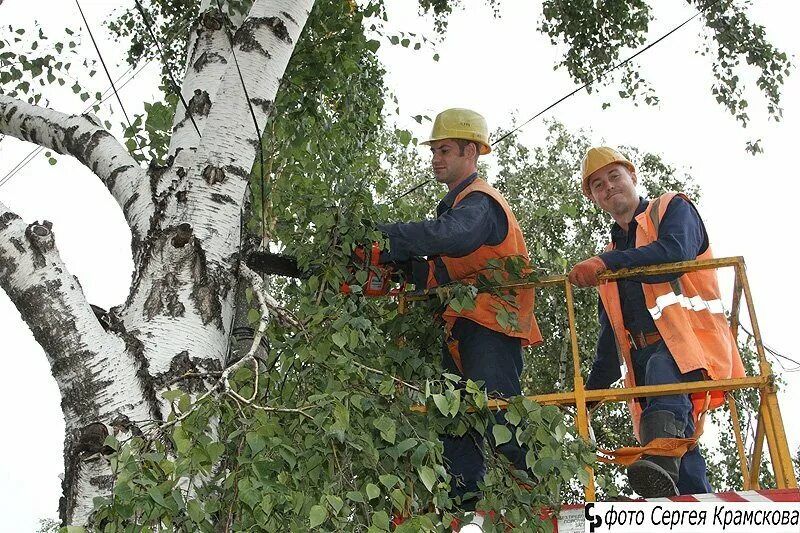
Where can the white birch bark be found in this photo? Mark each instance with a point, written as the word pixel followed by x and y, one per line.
pixel 185 219
pixel 96 370
pixel 85 139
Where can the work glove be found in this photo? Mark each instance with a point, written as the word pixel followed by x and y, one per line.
pixel 584 274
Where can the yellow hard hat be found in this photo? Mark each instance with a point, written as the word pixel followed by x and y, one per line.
pixel 595 159
pixel 457 123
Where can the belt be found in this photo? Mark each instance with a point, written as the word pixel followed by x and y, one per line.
pixel 641 339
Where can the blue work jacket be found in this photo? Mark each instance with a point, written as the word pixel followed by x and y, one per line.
pixel 681 237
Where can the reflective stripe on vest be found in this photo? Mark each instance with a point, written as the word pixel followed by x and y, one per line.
pixel 695 303
pixel 696 331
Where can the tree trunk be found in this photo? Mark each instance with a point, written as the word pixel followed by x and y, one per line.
pixel 185 221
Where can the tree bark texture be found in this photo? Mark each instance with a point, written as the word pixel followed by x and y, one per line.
pixel 185 219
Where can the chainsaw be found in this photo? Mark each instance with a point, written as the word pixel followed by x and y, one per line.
pixel 379 275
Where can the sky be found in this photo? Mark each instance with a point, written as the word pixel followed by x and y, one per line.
pixel 497 66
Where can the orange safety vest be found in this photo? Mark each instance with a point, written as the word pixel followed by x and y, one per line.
pixel 688 313
pixel 468 267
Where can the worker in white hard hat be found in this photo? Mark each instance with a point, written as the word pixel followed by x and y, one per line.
pixel 474 225
pixel 664 329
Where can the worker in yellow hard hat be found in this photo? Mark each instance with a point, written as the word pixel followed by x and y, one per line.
pixel 474 225
pixel 664 329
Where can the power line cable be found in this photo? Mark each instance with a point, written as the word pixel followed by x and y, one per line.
pixel 105 96
pixel 175 86
pixel 591 81
pixel 102 62
pixel 255 122
pixel 775 353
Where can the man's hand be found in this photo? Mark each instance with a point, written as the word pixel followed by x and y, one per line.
pixel 584 274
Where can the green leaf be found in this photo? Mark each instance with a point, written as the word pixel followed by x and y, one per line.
pixel 355 496
pixel 335 502
pixel 428 477
pixel 387 428
pixel 317 515
pixel 442 404
pixel 196 512
pixel 501 434
pixel 340 339
pixel 373 491
pixel 388 480
pixel 253 316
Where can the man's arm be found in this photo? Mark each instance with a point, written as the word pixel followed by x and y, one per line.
pixel 681 237
pixel 475 221
pixel 605 367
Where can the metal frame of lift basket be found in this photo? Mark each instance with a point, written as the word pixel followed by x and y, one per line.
pixel 770 423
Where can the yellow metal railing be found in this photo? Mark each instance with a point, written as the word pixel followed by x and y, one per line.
pixel 770 423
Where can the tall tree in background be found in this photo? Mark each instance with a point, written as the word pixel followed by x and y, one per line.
pixel 303 418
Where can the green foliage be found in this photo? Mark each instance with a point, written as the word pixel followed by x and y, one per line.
pixel 31 61
pixel 596 33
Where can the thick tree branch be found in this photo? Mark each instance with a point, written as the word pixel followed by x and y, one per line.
pixel 99 372
pixel 263 46
pixel 84 138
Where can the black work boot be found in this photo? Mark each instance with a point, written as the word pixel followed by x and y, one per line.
pixel 655 476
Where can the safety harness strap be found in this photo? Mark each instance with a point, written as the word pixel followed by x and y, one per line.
pixel 666 447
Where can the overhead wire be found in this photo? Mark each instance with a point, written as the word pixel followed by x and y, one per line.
pixel 106 94
pixel 585 85
pixel 775 353
pixel 103 63
pixel 175 86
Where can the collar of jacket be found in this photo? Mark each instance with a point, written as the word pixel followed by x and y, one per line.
pixel 616 229
pixel 447 202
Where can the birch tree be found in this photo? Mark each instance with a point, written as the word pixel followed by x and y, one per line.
pixel 173 424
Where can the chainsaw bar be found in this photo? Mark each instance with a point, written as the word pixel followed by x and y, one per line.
pixel 276 264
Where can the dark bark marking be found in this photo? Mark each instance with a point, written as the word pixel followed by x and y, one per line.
pixel 181 196
pixel 156 172
pixel 93 120
pixel 80 395
pixel 82 146
pixel 112 178
pixel 182 236
pixel 182 364
pixel 279 29
pixel 238 171
pixel 206 58
pixel 135 349
pixel 7 217
pixel 163 298
pixel 222 198
pixel 200 104
pixel 18 245
pixel 12 110
pixel 213 175
pixel 181 172
pixel 90 439
pixel 8 266
pixel 104 483
pixel 288 16
pixel 129 202
pixel 212 20
pixel 206 291
pixel 265 105
pixel 245 36
pixel 41 239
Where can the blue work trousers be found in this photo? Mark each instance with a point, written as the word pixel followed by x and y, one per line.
pixel 496 360
pixel 654 365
